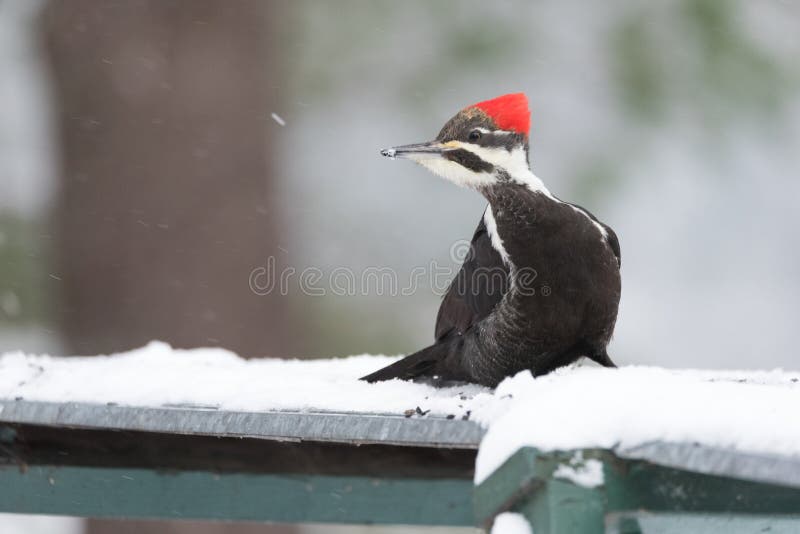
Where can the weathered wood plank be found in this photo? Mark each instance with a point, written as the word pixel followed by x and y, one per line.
pixel 112 473
pixel 147 493
pixel 386 429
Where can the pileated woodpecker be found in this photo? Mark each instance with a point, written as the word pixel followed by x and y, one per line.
pixel 540 286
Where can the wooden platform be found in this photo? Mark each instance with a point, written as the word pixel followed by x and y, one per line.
pixel 195 462
pixel 199 463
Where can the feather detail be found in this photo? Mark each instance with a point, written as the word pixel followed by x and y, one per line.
pixel 509 112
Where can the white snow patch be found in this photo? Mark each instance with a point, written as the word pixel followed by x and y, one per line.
pixel 572 408
pixel 586 473
pixel 277 118
pixel 158 375
pixel 40 524
pixel 587 407
pixel 511 523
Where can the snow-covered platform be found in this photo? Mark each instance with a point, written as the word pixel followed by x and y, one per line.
pixel 158 432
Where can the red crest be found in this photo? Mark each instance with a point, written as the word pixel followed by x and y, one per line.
pixel 509 112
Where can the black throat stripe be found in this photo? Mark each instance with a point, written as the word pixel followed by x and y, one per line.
pixel 469 160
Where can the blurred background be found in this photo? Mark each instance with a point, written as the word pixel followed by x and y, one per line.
pixel 154 153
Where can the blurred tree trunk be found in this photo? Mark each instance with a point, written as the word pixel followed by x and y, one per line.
pixel 165 205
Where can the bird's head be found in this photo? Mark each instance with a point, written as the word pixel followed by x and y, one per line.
pixel 482 145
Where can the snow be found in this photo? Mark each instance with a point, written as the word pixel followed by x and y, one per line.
pixel 40 524
pixel 586 473
pixel 277 118
pixel 157 375
pixel 572 408
pixel 511 523
pixel 587 407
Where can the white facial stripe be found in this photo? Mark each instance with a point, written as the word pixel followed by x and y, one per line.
pixel 494 132
pixel 515 163
pixel 449 170
pixel 491 229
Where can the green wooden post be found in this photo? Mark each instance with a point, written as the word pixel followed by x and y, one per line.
pixel 628 525
pixel 632 490
pixel 560 506
pixel 526 484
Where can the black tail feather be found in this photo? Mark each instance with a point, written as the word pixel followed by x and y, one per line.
pixel 602 358
pixel 421 363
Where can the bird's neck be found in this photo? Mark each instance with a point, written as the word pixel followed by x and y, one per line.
pixel 516 210
pixel 515 191
pixel 516 205
pixel 521 174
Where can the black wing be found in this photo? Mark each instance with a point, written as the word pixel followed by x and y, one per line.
pixel 613 242
pixel 476 289
pixel 611 236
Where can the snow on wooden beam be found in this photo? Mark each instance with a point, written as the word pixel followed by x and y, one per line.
pixel 160 432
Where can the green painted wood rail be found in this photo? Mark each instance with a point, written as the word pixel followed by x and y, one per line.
pixel 645 491
pixel 192 462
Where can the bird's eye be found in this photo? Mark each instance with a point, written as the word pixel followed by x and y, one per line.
pixel 474 135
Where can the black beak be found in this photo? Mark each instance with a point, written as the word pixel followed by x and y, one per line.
pixel 429 149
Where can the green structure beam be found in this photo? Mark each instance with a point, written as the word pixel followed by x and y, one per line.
pixel 132 474
pixel 629 493
pixel 295 467
pixel 148 493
